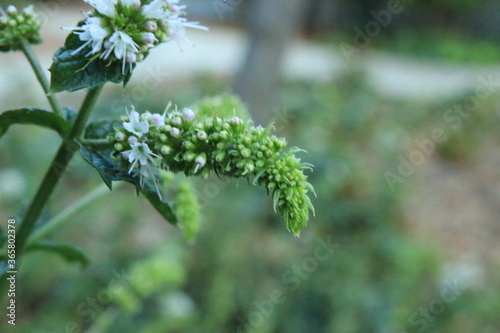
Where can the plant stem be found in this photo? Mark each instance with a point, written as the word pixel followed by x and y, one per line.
pixel 61 218
pixel 59 163
pixel 40 75
pixel 95 142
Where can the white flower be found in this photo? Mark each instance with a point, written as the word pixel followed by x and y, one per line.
pixel 177 27
pixel 123 47
pixel 158 119
pixel 131 3
pixel 135 125
pixel 92 34
pixel 105 7
pixel 156 9
pixel 140 153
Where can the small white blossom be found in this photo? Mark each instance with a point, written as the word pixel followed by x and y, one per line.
pixel 140 154
pixel 156 9
pixel 135 125
pixel 92 34
pixel 131 3
pixel 105 7
pixel 122 45
pixel 177 27
pixel 158 119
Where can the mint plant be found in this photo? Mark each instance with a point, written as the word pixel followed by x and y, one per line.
pixel 146 149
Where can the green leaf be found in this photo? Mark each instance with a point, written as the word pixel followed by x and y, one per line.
pixel 111 170
pixel 69 253
pixel 100 129
pixel 74 71
pixel 33 116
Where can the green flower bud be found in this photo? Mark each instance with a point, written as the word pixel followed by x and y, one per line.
pixel 246 152
pixel 165 150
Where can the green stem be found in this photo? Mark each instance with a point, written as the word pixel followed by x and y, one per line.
pixel 59 163
pixel 40 75
pixel 63 217
pixel 95 142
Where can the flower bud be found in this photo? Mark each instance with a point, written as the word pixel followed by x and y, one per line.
pixel 175 132
pixel 235 121
pixel 149 38
pixel 187 114
pixel 202 135
pixel 188 157
pixel 132 140
pixel 11 10
pixel 177 121
pixel 246 152
pixel 28 11
pixel 118 146
pixel 131 58
pixel 165 150
pixel 189 145
pixel 120 136
pixel 151 25
pixel 249 167
pixel 220 157
pixel 163 137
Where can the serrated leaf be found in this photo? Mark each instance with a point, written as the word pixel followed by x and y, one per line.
pixel 33 116
pixel 111 170
pixel 69 253
pixel 74 71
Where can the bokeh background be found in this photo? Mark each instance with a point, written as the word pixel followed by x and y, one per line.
pixel 407 226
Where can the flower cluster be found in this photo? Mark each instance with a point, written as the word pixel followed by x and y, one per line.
pixel 125 30
pixel 180 142
pixel 18 26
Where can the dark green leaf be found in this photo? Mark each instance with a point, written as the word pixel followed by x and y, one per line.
pixel 74 71
pixel 111 170
pixel 69 253
pixel 100 129
pixel 33 116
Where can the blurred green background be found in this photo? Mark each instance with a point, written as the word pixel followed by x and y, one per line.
pixel 419 253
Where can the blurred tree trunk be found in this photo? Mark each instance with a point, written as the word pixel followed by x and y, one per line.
pixel 271 25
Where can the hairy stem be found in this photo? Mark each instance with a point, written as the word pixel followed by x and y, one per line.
pixel 40 75
pixel 63 217
pixel 59 163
